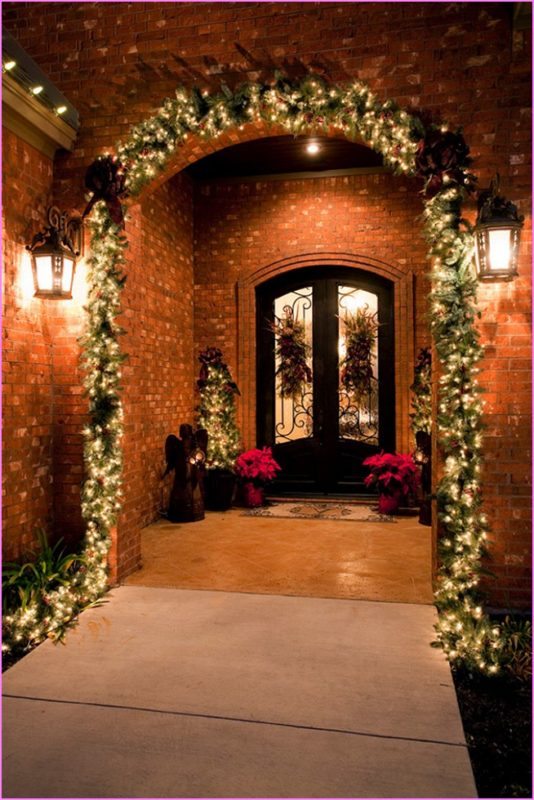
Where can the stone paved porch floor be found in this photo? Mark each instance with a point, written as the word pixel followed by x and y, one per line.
pixel 313 558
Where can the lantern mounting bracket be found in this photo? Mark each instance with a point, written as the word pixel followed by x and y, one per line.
pixel 62 230
pixel 492 205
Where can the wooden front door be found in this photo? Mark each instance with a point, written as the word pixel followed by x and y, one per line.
pixel 321 436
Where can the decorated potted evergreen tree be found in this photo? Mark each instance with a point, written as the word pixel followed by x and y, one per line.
pixel 217 414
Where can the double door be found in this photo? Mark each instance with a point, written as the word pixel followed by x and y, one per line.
pixel 322 431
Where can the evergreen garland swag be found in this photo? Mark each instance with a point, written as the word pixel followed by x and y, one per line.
pixel 357 365
pixel 292 353
pixel 51 610
pixel 437 155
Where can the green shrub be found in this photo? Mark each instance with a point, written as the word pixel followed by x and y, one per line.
pixel 37 597
pixel 23 584
pixel 516 655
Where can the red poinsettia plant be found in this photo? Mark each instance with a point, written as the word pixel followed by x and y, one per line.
pixel 257 465
pixel 392 473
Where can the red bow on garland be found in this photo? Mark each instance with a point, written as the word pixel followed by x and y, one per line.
pixel 105 178
pixel 443 157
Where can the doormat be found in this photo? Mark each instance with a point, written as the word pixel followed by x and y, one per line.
pixel 317 510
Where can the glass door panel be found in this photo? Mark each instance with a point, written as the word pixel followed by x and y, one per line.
pixel 358 364
pixel 293 409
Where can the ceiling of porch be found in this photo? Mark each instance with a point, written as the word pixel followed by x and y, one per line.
pixel 285 154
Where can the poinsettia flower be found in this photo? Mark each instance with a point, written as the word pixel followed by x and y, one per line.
pixel 257 465
pixel 392 471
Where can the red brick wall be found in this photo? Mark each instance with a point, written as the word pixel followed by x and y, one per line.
pixel 461 62
pixel 26 353
pixel 158 376
pixel 43 404
pixel 507 379
pixel 246 228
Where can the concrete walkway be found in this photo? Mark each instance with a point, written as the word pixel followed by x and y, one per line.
pixel 180 693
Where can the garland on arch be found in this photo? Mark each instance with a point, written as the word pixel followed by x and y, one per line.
pixel 439 156
pixel 52 610
pixel 464 631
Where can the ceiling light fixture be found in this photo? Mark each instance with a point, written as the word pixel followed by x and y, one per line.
pixel 312 148
pixel 9 65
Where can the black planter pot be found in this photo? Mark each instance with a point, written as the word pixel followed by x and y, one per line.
pixel 220 488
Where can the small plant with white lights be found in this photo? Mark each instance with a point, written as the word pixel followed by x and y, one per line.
pixel 217 410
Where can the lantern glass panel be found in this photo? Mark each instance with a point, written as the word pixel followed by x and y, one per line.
pixel 43 269
pixel 66 280
pixel 499 249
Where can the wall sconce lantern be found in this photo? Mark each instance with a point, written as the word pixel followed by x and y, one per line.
pixel 497 234
pixel 54 252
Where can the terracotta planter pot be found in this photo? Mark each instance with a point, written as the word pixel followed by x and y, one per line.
pixel 253 496
pixel 389 503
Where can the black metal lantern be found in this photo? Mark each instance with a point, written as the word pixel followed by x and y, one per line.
pixel 54 252
pixel 497 235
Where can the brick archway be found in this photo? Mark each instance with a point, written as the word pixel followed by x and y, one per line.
pixel 196 147
pixel 239 296
pixel 403 282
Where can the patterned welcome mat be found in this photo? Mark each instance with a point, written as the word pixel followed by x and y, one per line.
pixel 317 510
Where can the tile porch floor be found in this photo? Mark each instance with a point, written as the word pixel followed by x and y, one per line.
pixel 388 562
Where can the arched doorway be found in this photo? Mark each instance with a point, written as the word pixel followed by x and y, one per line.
pixel 322 434
pixel 440 156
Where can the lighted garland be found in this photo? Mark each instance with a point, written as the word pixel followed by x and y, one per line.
pixel 464 630
pixel 50 612
pixel 438 155
pixel 298 106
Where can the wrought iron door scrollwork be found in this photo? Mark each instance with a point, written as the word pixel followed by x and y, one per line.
pixel 293 411
pixel 358 420
pixel 300 418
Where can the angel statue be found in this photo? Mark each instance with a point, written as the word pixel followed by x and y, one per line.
pixel 186 456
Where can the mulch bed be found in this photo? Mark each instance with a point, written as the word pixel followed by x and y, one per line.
pixel 497 719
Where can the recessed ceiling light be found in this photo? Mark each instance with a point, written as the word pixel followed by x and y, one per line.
pixel 36 89
pixel 9 65
pixel 61 109
pixel 312 148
